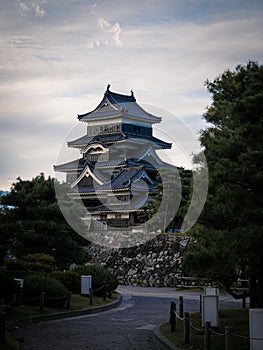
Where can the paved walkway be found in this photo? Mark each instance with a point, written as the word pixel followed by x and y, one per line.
pixel 127 327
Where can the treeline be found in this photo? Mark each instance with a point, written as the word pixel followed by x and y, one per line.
pixel 31 222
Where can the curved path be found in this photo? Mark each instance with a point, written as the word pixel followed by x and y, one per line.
pixel 127 327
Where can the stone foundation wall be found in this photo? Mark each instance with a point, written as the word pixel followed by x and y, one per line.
pixel 156 263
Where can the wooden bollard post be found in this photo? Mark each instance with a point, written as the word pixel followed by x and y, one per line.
pixel 228 338
pixel 172 319
pixel 42 301
pixel 243 302
pixel 104 291
pixel 207 339
pixel 91 296
pixel 2 328
pixel 68 300
pixel 186 328
pixel 181 306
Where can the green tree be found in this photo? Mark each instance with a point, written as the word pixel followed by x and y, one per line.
pixel 170 200
pixel 228 240
pixel 31 222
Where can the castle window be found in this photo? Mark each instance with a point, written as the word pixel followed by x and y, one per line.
pixel 137 129
pixel 103 129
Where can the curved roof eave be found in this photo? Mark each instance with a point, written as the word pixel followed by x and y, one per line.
pixel 153 119
pixel 100 105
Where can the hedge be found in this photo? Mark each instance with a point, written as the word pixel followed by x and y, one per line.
pixel 99 275
pixel 70 279
pixel 55 293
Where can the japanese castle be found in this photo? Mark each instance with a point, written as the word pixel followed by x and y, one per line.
pixel 119 165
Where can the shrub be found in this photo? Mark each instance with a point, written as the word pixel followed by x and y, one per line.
pixel 99 275
pixel 55 292
pixel 22 268
pixel 8 286
pixel 15 266
pixel 70 279
pixel 44 259
pixel 18 273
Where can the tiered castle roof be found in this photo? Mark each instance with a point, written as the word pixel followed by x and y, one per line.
pixel 118 105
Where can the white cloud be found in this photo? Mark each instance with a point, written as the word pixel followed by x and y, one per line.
pixel 107 28
pixel 92 8
pixel 38 10
pixel 23 8
pixel 116 31
pixel 103 23
pixel 30 6
pixel 90 45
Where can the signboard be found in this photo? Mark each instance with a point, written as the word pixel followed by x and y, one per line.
pixel 86 284
pixel 210 310
pixel 20 282
pixel 211 291
pixel 256 328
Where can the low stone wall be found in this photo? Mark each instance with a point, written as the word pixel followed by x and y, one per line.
pixel 156 263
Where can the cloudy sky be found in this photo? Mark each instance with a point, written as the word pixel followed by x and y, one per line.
pixel 57 57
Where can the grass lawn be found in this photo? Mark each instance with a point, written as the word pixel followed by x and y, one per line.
pixel 238 319
pixel 77 302
pixel 15 314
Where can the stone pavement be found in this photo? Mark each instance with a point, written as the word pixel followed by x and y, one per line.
pixel 127 327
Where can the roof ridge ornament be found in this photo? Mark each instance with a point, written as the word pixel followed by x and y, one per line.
pixel 108 88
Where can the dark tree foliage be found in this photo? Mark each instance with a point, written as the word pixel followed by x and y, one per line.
pixel 170 199
pixel 228 241
pixel 31 222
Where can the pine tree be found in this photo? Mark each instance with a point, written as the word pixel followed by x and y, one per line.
pixel 31 222
pixel 228 241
